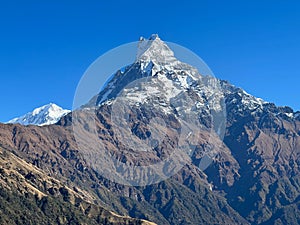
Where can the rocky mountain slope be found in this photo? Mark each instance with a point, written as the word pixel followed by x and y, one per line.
pixel 252 178
pixel 30 196
pixel 187 197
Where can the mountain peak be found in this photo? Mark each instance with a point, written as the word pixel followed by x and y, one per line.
pixel 154 36
pixel 155 50
pixel 44 115
pixel 49 107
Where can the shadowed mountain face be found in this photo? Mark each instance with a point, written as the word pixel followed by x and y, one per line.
pixel 253 177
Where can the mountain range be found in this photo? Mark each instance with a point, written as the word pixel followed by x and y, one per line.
pixel 252 147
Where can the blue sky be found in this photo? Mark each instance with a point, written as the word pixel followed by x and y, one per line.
pixel 47 45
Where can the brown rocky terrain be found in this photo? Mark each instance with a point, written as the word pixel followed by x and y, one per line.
pixel 30 196
pixel 53 150
pixel 255 176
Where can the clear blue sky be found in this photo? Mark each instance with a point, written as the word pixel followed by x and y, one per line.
pixel 47 45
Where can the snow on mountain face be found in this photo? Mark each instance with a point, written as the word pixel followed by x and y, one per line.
pixel 158 80
pixel 158 74
pixel 45 115
pixel 237 95
pixel 156 71
pixel 154 56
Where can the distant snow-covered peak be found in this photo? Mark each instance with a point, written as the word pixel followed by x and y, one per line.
pixel 44 115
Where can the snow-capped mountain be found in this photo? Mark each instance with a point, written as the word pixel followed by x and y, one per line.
pixel 156 60
pixel 44 115
pixel 166 76
pixel 158 74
